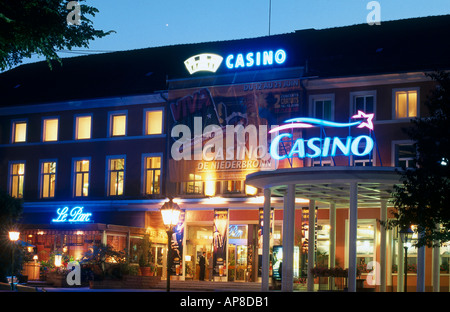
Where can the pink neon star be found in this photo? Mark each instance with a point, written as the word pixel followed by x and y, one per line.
pixel 367 123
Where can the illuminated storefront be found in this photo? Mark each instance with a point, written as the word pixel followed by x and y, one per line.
pixel 258 141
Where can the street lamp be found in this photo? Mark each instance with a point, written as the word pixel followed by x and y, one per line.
pixel 170 212
pixel 13 237
pixel 405 236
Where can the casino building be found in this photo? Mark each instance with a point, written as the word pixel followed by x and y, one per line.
pixel 302 130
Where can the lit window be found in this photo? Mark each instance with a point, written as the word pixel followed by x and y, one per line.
pixel 365 245
pixel 152 175
pixel 19 132
pixel 154 122
pixel 194 185
pixel 406 104
pixel 82 177
pixel 116 176
pixel 17 175
pixel 48 179
pixel 119 124
pixel 234 186
pixel 83 127
pixel 50 130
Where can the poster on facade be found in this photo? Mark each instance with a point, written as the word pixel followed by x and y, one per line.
pixel 221 132
pixel 177 246
pixel 220 242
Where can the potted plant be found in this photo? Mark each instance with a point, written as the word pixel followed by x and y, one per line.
pixel 146 267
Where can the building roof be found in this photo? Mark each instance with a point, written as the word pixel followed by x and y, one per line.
pixel 418 44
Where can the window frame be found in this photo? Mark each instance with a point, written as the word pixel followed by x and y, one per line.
pixel 394 103
pixel 108 177
pixel 144 173
pixel 11 176
pixel 41 177
pixel 111 123
pixel 394 160
pixel 145 123
pixel 14 122
pixel 354 95
pixel 321 97
pixel 43 128
pixel 75 126
pixel 74 176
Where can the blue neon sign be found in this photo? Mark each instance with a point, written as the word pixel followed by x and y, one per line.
pixel 260 58
pixel 323 147
pixel 75 214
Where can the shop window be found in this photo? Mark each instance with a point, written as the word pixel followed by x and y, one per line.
pixel 17 175
pixel 406 103
pixel 50 130
pixel 82 168
pixel 48 179
pixel 19 133
pixel 323 245
pixel 152 177
pixel 116 176
pixel 194 185
pixel 83 127
pixel 365 245
pixel 118 124
pixel 153 122
pixel 117 242
pixel 405 155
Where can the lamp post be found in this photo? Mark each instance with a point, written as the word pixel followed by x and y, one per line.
pixel 170 212
pixel 13 237
pixel 405 236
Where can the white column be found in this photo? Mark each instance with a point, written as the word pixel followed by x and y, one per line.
pixel 287 279
pixel 420 269
pixel 311 243
pixel 383 249
pixel 332 239
pixel 266 241
pixel 353 223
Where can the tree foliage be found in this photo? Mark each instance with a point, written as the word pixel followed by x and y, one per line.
pixel 43 27
pixel 423 198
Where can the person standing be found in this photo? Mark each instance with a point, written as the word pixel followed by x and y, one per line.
pixel 202 264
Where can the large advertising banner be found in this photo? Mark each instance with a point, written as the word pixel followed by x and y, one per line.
pixel 177 245
pixel 220 241
pixel 221 132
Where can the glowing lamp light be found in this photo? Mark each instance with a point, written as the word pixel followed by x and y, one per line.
pixel 250 190
pixel 58 260
pixel 170 212
pixel 210 188
pixel 14 236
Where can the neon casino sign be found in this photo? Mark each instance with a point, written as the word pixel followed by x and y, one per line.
pixel 75 214
pixel 260 58
pixel 323 147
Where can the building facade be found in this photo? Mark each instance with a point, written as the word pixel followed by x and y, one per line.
pixel 302 130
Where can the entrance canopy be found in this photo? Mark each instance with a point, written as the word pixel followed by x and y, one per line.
pixel 330 184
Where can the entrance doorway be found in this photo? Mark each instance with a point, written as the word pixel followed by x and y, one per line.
pixel 198 240
pixel 237 259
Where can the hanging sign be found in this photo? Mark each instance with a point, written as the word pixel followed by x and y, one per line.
pixel 73 215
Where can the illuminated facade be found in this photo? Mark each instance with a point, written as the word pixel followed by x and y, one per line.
pixel 302 130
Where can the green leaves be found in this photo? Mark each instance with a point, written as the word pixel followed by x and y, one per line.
pixel 29 27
